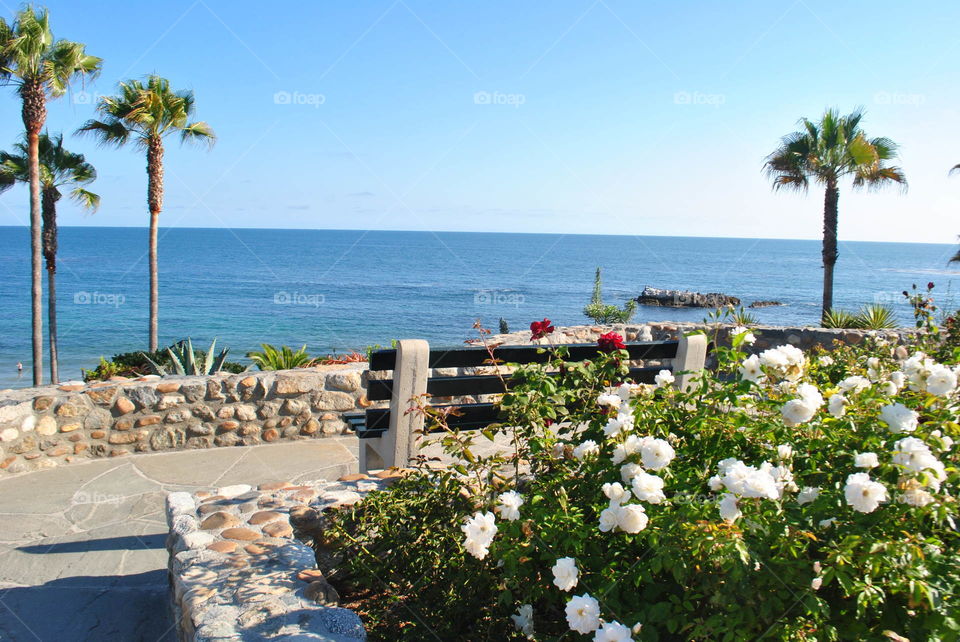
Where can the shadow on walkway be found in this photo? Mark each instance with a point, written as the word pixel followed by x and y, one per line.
pixel 125 543
pixel 132 607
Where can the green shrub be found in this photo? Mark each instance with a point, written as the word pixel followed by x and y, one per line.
pixel 730 314
pixel 870 317
pixel 744 508
pixel 103 371
pixel 875 317
pixel 839 319
pixel 283 359
pixel 402 544
pixel 137 364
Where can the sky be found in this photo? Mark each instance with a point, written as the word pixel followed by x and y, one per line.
pixel 595 116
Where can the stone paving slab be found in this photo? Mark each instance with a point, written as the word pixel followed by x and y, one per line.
pixel 82 547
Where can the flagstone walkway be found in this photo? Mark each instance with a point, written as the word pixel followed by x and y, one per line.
pixel 82 554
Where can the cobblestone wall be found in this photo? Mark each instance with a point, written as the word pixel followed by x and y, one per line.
pixel 53 425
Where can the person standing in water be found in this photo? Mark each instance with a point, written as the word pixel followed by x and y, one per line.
pixel 19 367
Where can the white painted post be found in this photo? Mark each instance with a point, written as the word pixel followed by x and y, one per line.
pixel 398 445
pixel 691 356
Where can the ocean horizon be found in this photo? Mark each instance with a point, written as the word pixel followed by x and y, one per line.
pixel 341 290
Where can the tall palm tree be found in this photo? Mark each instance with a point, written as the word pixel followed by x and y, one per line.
pixel 40 68
pixel 956 257
pixel 58 168
pixel 147 113
pixel 825 153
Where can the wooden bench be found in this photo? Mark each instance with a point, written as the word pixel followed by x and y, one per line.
pixel 388 436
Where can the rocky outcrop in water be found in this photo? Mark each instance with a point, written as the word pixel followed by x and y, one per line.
pixel 764 304
pixel 685 299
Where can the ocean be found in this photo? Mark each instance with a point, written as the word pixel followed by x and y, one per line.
pixel 340 290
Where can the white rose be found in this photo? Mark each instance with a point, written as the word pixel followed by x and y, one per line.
pixel 509 505
pixel 607 399
pixel 479 531
pixel 632 518
pixel 898 379
pixel 588 448
pixel 523 620
pixel 630 470
pixel 613 632
pixel 656 454
pixel 796 412
pixel 941 381
pixel 648 488
pixel 854 383
pixel 807 495
pixel 837 405
pixel 750 369
pixel 609 518
pixel 863 494
pixel 899 418
pixel 565 573
pixel 866 460
pixel 729 511
pixel 664 378
pixel 583 614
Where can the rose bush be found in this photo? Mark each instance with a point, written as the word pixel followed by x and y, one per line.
pixel 784 496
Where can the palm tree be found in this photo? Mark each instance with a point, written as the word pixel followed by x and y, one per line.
pixel 956 257
pixel 825 153
pixel 147 113
pixel 39 67
pixel 58 168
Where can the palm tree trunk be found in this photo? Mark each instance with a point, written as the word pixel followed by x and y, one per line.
pixel 830 201
pixel 50 198
pixel 34 113
pixel 155 203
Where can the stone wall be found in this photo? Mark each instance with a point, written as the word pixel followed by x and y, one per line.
pixel 53 425
pixel 239 572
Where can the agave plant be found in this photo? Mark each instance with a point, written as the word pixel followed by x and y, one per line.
pixel 283 359
pixel 875 317
pixel 839 319
pixel 186 362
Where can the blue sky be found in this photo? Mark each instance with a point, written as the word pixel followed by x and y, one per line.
pixel 598 116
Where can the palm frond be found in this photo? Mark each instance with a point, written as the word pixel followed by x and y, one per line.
pixel 107 132
pixel 58 166
pixel 199 132
pixel 86 199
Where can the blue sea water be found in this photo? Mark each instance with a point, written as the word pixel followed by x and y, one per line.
pixel 337 290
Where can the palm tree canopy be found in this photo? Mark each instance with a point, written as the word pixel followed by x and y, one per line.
pixel 29 54
pixel 58 167
pixel 830 150
pixel 147 111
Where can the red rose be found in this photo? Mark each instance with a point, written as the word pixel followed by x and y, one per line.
pixel 540 329
pixel 610 341
pixel 930 285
